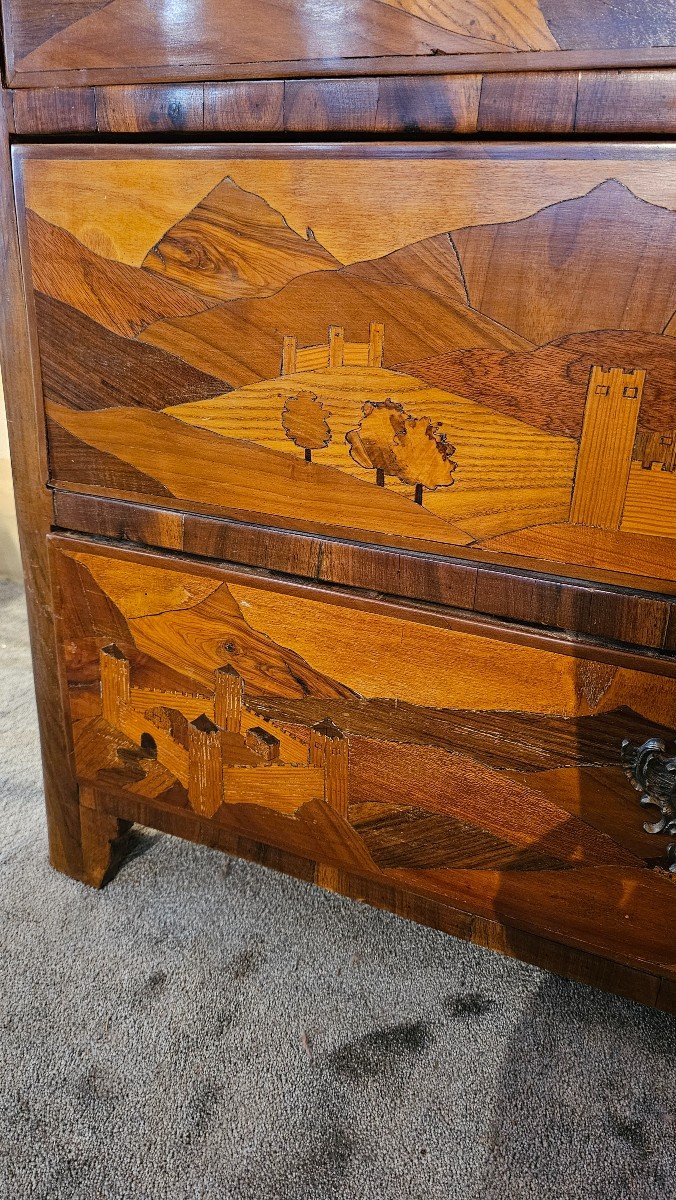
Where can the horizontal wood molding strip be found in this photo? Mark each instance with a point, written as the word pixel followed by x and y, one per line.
pixel 653 58
pixel 440 104
pixel 599 610
pixel 150 110
pixel 648 96
pixel 547 102
pixel 543 102
pixel 401 149
pixel 54 110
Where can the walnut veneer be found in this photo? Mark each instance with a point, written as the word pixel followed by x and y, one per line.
pixel 346 469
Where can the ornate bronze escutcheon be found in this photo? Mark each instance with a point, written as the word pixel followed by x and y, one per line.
pixel 652 771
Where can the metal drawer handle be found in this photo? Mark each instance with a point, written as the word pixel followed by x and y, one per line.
pixel 653 773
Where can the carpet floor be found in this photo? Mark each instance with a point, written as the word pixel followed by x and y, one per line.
pixel 204 1029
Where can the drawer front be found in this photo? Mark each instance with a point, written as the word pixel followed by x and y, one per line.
pixel 460 348
pixel 103 40
pixel 455 760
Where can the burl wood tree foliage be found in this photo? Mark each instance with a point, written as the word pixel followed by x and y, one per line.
pixel 305 423
pixel 413 450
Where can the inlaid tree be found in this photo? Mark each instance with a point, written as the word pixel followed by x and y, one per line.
pixel 305 424
pixel 413 450
pixel 424 456
pixel 372 443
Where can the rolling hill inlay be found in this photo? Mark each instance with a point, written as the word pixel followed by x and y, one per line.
pixel 507 385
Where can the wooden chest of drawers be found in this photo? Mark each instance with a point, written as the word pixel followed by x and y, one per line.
pixel 347 469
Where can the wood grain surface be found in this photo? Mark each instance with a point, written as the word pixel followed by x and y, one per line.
pixel 440 374
pixel 126 41
pixel 617 614
pixel 516 101
pixel 459 374
pixel 464 764
pixel 637 984
pixel 70 840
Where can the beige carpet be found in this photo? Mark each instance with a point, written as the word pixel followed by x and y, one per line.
pixel 207 1030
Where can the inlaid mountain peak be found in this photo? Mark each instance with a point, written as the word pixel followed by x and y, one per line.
pixel 539 275
pixel 233 245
